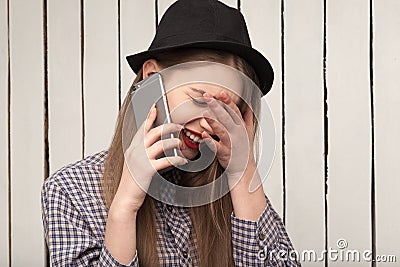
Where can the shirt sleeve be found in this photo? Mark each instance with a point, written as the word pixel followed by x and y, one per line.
pixel 262 243
pixel 68 235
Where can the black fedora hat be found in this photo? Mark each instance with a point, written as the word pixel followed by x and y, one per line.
pixel 206 24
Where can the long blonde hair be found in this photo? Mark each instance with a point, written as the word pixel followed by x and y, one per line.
pixel 211 222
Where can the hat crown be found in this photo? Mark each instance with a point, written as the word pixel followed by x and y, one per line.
pixel 200 20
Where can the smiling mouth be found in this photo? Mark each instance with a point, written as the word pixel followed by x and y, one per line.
pixel 191 139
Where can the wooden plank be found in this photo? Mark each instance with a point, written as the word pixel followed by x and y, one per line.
pixel 349 125
pixel 263 23
pixel 100 73
pixel 4 130
pixel 137 32
pixel 231 3
pixel 27 160
pixel 163 5
pixel 387 128
pixel 65 109
pixel 304 109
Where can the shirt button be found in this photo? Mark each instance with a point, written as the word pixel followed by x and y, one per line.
pixel 185 254
pixel 169 208
pixel 261 236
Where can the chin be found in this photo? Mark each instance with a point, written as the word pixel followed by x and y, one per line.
pixel 190 153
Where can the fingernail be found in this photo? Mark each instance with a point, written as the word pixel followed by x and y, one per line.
pixel 207 97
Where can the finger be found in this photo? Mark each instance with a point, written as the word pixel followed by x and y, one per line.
pixel 151 117
pixel 220 113
pixel 231 107
pixel 217 127
pixel 160 146
pixel 210 142
pixel 144 128
pixel 248 117
pixel 155 134
pixel 165 162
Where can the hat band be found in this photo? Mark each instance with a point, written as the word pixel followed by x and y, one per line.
pixel 187 38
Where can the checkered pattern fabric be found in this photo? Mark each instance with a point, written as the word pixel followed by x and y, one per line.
pixel 74 218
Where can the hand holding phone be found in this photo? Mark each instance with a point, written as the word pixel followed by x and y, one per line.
pixel 147 92
pixel 142 162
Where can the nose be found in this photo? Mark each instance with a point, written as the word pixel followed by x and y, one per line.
pixel 205 126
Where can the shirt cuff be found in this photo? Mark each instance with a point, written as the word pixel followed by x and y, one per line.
pixel 106 259
pixel 260 243
pixel 250 237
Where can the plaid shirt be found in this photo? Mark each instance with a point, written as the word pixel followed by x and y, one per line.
pixel 74 218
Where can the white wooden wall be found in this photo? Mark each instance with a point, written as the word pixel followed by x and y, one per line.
pixel 335 101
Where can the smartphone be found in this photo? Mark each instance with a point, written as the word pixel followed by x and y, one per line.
pixel 147 92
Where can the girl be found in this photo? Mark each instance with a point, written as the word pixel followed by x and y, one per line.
pixel 96 213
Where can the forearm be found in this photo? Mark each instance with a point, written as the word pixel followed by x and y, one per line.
pixel 120 235
pixel 242 199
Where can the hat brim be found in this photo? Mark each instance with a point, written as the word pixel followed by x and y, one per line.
pixel 261 65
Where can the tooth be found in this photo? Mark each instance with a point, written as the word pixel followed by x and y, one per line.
pixel 196 139
pixel 187 133
pixel 192 136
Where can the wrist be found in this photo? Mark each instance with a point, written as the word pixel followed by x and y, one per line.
pixel 244 178
pixel 121 211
